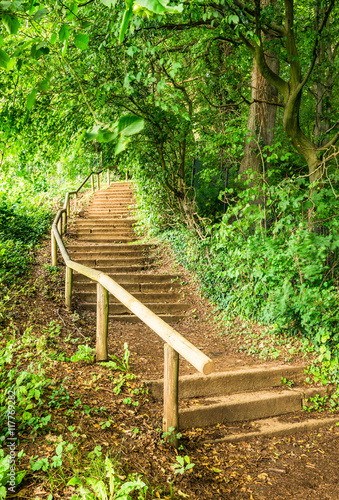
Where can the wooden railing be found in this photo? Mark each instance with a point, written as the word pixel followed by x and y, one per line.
pixel 175 343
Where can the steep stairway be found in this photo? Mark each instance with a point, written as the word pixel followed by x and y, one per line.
pixel 104 239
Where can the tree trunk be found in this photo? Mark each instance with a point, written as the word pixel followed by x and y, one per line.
pixel 262 115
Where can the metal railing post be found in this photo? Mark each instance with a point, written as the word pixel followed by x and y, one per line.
pixel 171 380
pixel 102 323
pixel 68 286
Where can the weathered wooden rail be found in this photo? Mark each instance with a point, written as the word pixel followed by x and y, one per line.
pixel 175 343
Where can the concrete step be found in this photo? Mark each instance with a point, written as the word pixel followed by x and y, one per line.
pixel 156 307
pixel 134 278
pixel 109 216
pixel 120 269
pixel 113 262
pixel 102 238
pixel 104 247
pixel 113 256
pixel 106 210
pixel 103 222
pixel 91 287
pixel 104 231
pixel 232 382
pixel 91 297
pixel 131 318
pixel 245 406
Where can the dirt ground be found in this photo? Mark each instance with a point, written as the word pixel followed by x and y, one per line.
pixel 303 466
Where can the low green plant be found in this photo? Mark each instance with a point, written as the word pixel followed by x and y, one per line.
pixel 182 465
pixel 84 353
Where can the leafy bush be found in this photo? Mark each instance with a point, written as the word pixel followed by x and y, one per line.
pixel 22 223
pixel 274 257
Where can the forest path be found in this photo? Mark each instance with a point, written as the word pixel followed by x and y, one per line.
pixel 243 388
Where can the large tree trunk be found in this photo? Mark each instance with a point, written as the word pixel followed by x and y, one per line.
pixel 262 114
pixel 261 119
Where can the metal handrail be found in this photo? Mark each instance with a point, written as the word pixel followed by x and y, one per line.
pixel 175 342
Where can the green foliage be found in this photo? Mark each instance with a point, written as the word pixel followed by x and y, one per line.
pixel 275 260
pixel 84 353
pixel 183 464
pixel 22 224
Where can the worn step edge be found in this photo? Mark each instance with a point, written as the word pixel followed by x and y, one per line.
pixel 248 406
pixel 142 296
pixel 133 278
pixel 157 307
pixel 230 382
pixel 271 427
pixel 168 318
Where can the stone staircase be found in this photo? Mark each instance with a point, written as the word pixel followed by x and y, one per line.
pixel 104 239
pixel 252 395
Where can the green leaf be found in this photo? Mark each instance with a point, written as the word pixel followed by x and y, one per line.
pixel 11 23
pixel 121 145
pixel 64 33
pixel 40 14
pixel 53 38
pixel 31 99
pixel 4 59
pixel 4 5
pixel 1 41
pixel 81 41
pixel 109 3
pixel 158 6
pixel 130 125
pixel 125 22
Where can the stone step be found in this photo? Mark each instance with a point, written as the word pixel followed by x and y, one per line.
pixel 156 307
pixel 108 217
pixel 102 238
pixel 91 297
pixel 113 262
pixel 104 222
pixel 120 269
pixel 104 247
pixel 103 211
pixel 245 406
pixel 91 287
pixel 113 256
pixel 232 382
pixel 104 231
pixel 134 278
pixel 131 318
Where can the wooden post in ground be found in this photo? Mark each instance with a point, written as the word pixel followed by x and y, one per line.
pixel 92 183
pixel 68 210
pixel 68 286
pixel 53 249
pixel 108 178
pixel 60 225
pixel 75 202
pixel 98 182
pixel 102 323
pixel 171 379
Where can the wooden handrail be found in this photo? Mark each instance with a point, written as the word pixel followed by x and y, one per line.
pixel 175 342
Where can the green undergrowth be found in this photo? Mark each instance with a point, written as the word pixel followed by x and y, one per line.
pixel 24 218
pixel 274 259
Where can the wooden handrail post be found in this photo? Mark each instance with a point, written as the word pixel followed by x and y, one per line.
pixel 102 323
pixel 171 380
pixel 98 183
pixel 53 249
pixel 60 225
pixel 68 286
pixel 68 208
pixel 108 178
pixel 92 183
